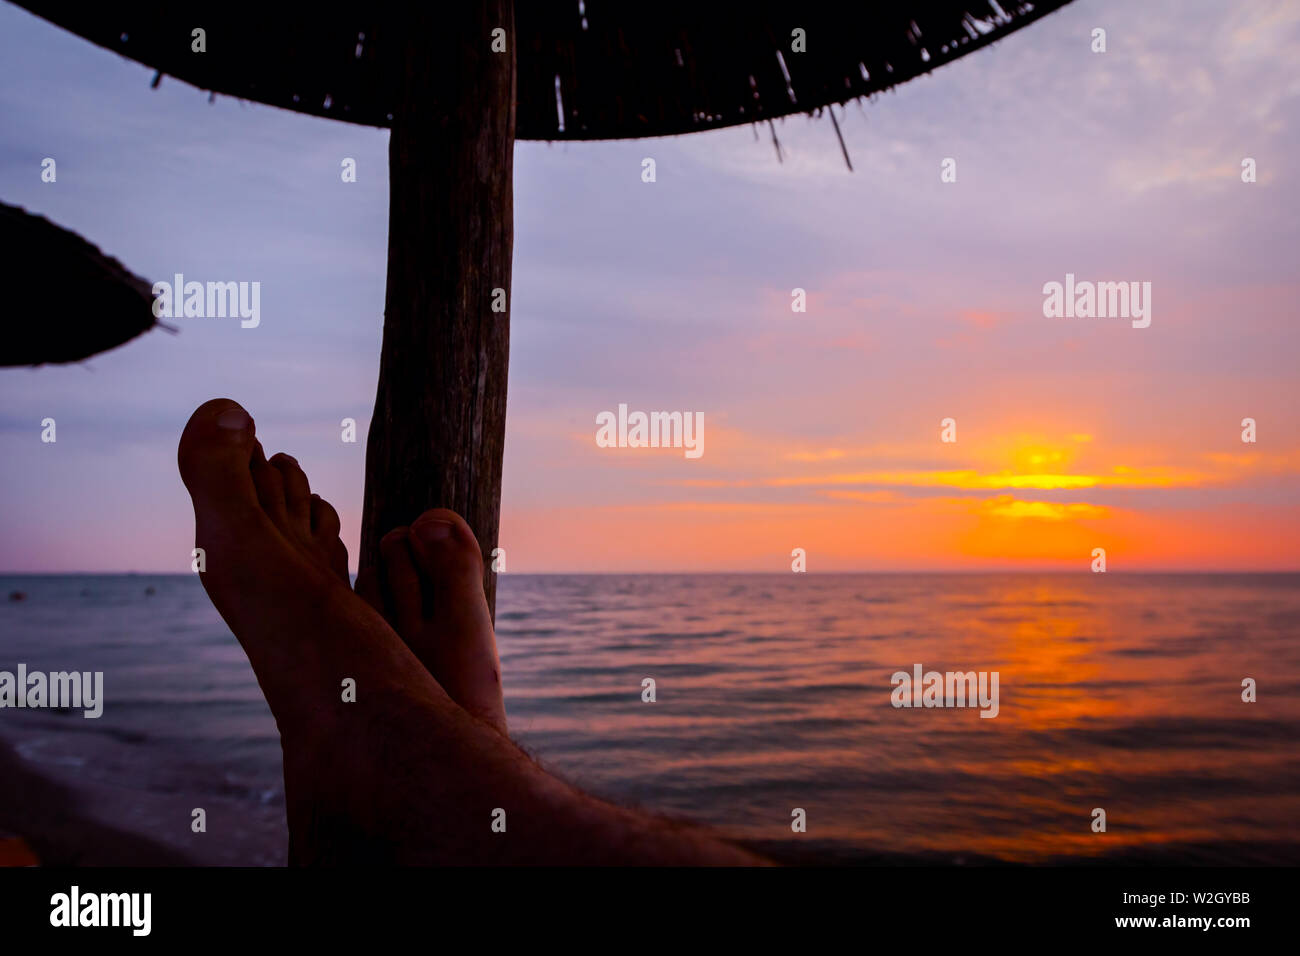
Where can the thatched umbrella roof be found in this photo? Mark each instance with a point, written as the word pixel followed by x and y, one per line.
pixel 457 83
pixel 45 265
pixel 598 69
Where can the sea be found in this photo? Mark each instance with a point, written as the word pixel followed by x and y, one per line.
pixel 1169 703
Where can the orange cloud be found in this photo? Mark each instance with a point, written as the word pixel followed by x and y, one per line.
pixel 968 506
pixel 971 480
pixel 830 454
pixel 1005 506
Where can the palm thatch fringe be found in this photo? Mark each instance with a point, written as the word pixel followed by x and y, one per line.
pixel 623 70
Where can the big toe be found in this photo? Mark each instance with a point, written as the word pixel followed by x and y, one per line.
pixel 214 455
pixel 456 642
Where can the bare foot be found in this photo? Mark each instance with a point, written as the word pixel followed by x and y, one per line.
pixel 417 768
pixel 430 589
pixel 277 573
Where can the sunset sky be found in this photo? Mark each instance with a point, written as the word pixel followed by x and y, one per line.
pixel 822 429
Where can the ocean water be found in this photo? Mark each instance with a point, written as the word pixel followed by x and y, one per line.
pixel 1119 692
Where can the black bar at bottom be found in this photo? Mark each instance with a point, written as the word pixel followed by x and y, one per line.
pixel 662 907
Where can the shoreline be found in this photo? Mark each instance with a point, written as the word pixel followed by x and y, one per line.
pixel 47 816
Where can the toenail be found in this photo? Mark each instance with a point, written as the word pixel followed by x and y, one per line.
pixel 236 419
pixel 432 529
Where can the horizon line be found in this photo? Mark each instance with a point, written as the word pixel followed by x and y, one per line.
pixel 524 574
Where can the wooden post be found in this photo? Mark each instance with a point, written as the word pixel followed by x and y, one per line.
pixel 438 431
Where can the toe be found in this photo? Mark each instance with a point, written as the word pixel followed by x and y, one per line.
pixel 325 529
pixel 325 524
pixel 214 454
pixel 338 559
pixel 401 583
pixel 297 493
pixel 457 643
pixel 269 482
pixel 368 588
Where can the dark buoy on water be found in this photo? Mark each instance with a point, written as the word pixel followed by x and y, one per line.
pixel 17 595
pixel 150 591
